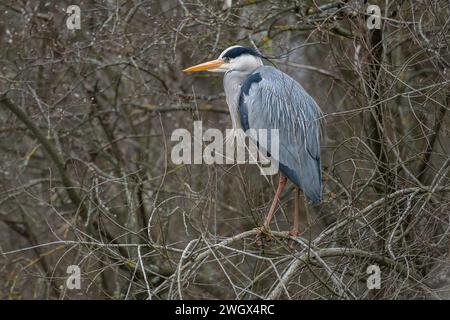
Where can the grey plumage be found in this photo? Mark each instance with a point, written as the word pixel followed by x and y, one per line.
pixel 263 97
pixel 270 99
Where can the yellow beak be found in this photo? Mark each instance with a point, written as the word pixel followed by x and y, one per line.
pixel 205 66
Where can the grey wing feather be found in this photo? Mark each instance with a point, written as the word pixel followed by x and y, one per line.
pixel 277 101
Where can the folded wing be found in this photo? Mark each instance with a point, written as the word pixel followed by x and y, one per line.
pixel 270 99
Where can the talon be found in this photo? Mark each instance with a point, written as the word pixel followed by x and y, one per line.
pixel 263 233
pixel 258 237
pixel 292 233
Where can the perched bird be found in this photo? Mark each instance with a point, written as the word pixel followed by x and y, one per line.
pixel 260 96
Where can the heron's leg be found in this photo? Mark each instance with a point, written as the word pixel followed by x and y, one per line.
pixel 269 216
pixel 295 230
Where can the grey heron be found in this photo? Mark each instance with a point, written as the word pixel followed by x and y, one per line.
pixel 260 96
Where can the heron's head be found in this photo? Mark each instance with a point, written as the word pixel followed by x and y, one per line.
pixel 236 58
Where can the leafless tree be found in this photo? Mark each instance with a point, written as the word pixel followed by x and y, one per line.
pixel 86 177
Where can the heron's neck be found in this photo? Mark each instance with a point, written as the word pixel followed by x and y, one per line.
pixel 232 82
pixel 236 77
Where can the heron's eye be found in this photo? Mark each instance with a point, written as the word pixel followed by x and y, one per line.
pixel 226 59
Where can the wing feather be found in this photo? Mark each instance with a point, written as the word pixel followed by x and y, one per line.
pixel 270 99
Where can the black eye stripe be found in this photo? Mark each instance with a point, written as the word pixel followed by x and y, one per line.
pixel 236 52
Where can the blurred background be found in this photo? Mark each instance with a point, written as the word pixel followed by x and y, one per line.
pixel 86 178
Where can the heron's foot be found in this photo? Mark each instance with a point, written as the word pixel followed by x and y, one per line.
pixel 294 234
pixel 263 233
